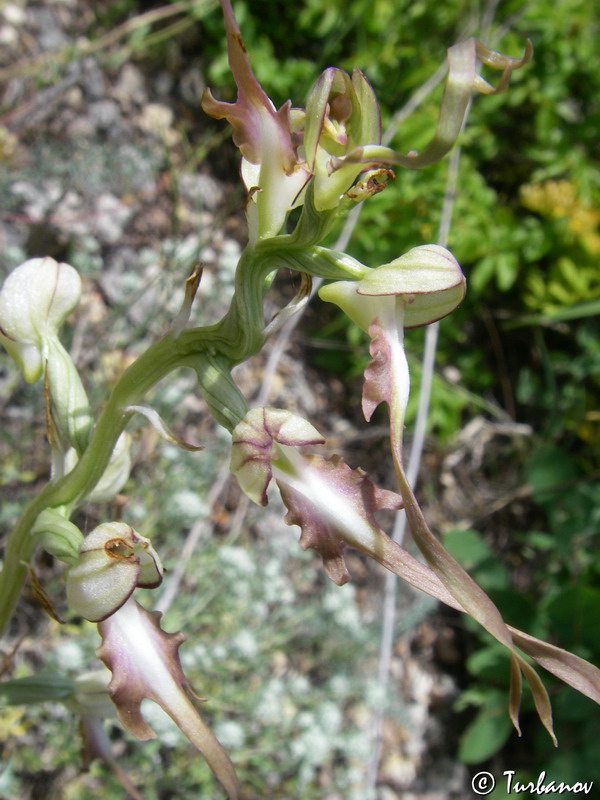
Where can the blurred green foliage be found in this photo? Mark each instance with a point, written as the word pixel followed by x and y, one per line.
pixel 559 602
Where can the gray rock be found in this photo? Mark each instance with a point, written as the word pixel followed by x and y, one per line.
pixel 130 89
pixel 106 115
pixel 49 34
pixel 92 79
pixel 111 218
pixel 200 190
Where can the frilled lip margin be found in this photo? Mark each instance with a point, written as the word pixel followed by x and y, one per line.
pixel 144 661
pixel 335 507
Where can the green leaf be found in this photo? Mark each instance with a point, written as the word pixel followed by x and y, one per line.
pixel 467 547
pixel 548 467
pixel 574 613
pixel 589 308
pixel 507 267
pixel 488 731
pixel 490 662
pixel 471 551
pixel 36 689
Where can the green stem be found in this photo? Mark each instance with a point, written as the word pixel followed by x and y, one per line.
pixel 211 351
pixel 156 362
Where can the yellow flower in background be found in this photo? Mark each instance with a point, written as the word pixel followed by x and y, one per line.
pixel 558 199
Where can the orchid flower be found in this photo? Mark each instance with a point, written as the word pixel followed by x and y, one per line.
pixel 335 507
pixel 338 136
pixel 145 663
pixel 35 300
pixel 418 288
pixel 333 504
pixel 272 173
pixel 113 561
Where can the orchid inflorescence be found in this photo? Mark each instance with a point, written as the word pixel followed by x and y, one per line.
pixel 322 160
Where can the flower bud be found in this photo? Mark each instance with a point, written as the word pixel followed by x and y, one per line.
pixel 57 535
pixel 341 114
pixel 35 300
pixel 115 475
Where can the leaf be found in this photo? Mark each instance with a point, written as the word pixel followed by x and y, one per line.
pixel 574 612
pixel 467 546
pixel 488 731
pixel 549 467
pixel 36 689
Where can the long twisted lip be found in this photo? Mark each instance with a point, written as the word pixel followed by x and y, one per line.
pixel 144 661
